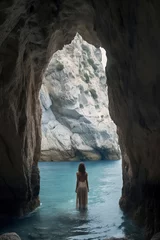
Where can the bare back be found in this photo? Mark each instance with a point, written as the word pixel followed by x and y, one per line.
pixel 82 177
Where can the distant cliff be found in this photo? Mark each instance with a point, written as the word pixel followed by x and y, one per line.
pixel 75 117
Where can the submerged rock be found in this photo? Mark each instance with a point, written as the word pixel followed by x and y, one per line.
pixel 10 236
pixel 75 117
pixel 156 236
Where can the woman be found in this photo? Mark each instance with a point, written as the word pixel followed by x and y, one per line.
pixel 82 187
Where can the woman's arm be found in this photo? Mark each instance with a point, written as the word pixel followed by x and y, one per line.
pixel 87 181
pixel 77 182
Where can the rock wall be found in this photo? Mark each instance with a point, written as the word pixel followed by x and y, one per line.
pixel 75 119
pixel 131 39
pixel 31 31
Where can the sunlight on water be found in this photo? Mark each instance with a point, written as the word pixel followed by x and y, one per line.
pixel 57 217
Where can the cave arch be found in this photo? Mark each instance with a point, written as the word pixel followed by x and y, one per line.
pixel 31 31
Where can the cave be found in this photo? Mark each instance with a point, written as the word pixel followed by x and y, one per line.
pixel 31 31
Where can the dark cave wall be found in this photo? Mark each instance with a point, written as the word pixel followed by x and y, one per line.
pixel 31 31
pixel 131 39
pixel 22 59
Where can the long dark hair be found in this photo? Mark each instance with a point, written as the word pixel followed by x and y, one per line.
pixel 82 168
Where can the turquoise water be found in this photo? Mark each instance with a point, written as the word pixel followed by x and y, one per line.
pixel 57 217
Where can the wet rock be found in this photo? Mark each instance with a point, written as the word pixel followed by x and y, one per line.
pixel 9 236
pixel 156 237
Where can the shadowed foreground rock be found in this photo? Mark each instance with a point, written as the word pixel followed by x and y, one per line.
pixel 156 237
pixel 9 236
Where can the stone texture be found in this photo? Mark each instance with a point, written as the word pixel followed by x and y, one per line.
pixel 30 34
pixel 131 40
pixel 31 31
pixel 9 236
pixel 156 237
pixel 75 119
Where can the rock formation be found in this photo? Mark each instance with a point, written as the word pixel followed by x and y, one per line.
pixel 156 237
pixel 75 119
pixel 9 236
pixel 31 31
pixel 131 40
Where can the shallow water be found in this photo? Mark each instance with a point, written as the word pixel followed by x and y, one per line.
pixel 57 217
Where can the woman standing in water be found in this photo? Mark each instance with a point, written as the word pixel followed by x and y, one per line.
pixel 82 187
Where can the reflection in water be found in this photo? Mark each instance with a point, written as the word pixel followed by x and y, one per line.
pixel 57 217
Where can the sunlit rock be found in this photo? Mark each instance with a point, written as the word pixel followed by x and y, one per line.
pixel 75 117
pixel 156 237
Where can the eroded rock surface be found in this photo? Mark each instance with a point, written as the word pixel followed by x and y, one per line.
pixel 131 39
pixel 31 31
pixel 156 237
pixel 9 236
pixel 74 98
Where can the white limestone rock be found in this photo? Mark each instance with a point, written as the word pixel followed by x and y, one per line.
pixel 75 117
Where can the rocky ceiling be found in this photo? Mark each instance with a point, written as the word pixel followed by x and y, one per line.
pixel 30 32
